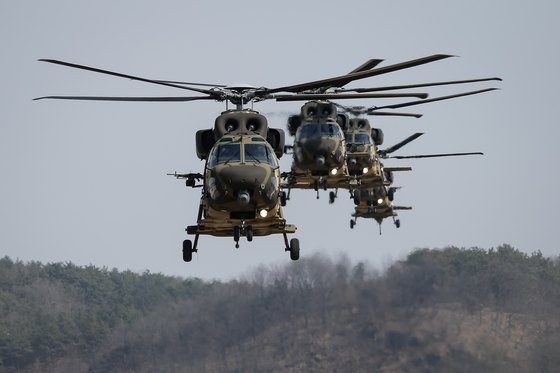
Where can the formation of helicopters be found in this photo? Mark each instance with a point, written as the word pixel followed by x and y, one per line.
pixel 243 190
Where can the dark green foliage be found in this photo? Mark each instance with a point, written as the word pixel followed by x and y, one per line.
pixel 504 278
pixel 49 311
pixel 438 310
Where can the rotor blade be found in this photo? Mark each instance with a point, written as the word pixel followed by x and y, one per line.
pixel 383 113
pixel 189 83
pixel 433 155
pixel 344 79
pixel 383 153
pixel 106 98
pixel 397 169
pixel 420 85
pixel 368 65
pixel 132 77
pixel 402 208
pixel 347 108
pixel 396 106
pixel 354 110
pixel 358 110
pixel 337 96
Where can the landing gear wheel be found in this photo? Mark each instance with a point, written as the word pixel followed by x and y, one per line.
pixel 249 233
pixel 294 249
pixel 397 223
pixel 236 235
pixel 357 197
pixel 352 223
pixel 187 250
pixel 332 196
pixel 283 198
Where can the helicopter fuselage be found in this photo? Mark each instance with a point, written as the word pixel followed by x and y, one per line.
pixel 319 147
pixel 242 178
pixel 375 203
pixel 361 157
pixel 241 188
pixel 378 213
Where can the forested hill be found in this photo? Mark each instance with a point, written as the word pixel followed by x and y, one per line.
pixel 460 310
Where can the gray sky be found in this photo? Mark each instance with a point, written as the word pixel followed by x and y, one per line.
pixel 85 181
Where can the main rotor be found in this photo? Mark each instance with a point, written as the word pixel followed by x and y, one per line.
pixel 325 89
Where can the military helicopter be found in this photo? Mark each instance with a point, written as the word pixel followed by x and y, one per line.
pixel 374 199
pixel 364 165
pixel 241 192
pixel 324 157
pixel 320 161
pixel 377 203
pixel 240 188
pixel 319 151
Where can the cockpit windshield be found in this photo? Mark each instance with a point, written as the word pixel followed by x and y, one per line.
pixel 307 130
pixel 331 129
pixel 358 138
pixel 231 152
pixel 362 138
pixel 318 129
pixel 225 153
pixel 258 153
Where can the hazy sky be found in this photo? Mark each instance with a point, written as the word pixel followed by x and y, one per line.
pixel 85 181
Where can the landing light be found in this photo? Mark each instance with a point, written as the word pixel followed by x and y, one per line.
pixel 365 170
pixel 380 201
pixel 263 213
pixel 334 171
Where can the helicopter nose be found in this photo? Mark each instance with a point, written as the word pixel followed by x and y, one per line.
pixel 312 144
pixel 321 146
pixel 243 178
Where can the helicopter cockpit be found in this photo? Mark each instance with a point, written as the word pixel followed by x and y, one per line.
pixel 235 150
pixel 358 142
pixel 312 129
pixel 358 138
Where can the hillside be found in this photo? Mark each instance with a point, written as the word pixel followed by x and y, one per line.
pixel 438 310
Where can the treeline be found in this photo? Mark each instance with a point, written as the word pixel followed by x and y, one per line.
pixel 56 310
pixel 438 310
